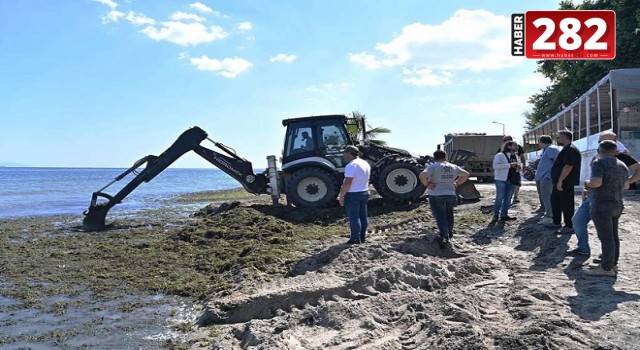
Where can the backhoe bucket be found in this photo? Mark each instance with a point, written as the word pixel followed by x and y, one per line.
pixel 468 191
pixel 95 217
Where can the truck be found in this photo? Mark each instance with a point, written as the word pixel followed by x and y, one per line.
pixel 483 146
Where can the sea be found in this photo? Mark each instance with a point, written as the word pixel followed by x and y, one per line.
pixel 26 192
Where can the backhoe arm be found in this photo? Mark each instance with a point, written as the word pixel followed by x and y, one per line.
pixel 239 168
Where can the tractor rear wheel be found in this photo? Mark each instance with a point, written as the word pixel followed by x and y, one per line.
pixel 398 180
pixel 312 188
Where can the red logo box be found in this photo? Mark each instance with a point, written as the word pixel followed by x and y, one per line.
pixel 570 35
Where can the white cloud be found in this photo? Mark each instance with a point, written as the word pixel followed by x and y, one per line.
pixel 198 6
pixel 536 80
pixel 505 105
pixel 425 77
pixel 367 60
pixel 281 57
pixel 228 67
pixel 184 33
pixel 474 40
pixel 183 16
pixel 112 4
pixel 183 55
pixel 139 19
pixel 112 16
pixel 245 26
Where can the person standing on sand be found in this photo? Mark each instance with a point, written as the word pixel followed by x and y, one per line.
pixel 582 216
pixel 609 177
pixel 441 179
pixel 543 176
pixel 505 164
pixel 523 162
pixel 354 194
pixel 565 174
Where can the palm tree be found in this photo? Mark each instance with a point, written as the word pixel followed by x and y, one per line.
pixel 372 133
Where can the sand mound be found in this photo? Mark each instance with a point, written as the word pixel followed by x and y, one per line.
pixel 506 287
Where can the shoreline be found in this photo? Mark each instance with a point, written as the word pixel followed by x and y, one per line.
pixel 177 281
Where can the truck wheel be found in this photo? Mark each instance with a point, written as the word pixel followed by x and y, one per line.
pixel 398 180
pixel 312 188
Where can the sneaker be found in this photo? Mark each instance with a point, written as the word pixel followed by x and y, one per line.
pixel 494 220
pixel 597 260
pixel 352 242
pixel 599 271
pixel 565 231
pixel 577 252
pixel 508 218
pixel 546 221
pixel 515 200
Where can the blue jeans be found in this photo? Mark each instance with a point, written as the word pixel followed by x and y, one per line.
pixel 504 191
pixel 546 187
pixel 442 209
pixel 580 221
pixel 356 205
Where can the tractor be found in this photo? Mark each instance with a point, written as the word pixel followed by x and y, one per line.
pixel 311 172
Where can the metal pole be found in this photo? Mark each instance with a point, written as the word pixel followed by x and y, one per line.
pixel 272 172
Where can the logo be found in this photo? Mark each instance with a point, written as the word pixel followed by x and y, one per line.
pixel 564 34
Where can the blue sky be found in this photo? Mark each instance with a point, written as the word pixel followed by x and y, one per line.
pixel 101 83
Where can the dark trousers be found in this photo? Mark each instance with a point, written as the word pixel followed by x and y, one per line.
pixel 607 227
pixel 442 210
pixel 356 205
pixel 563 204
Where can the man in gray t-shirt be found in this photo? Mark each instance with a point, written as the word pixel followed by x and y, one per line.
pixel 441 179
pixel 609 177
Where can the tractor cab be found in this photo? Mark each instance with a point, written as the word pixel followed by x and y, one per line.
pixel 319 139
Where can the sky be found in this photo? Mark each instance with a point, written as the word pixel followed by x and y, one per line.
pixel 102 83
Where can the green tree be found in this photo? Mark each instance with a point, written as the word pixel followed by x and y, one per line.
pixel 372 133
pixel 570 79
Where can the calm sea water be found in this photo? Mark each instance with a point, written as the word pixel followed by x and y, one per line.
pixel 51 191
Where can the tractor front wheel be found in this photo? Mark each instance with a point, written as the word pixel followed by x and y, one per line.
pixel 399 180
pixel 312 188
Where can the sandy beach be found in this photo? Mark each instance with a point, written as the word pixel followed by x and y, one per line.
pixel 244 274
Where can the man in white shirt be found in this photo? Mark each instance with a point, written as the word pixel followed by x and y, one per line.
pixel 354 194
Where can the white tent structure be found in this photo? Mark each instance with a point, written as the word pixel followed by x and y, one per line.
pixel 612 104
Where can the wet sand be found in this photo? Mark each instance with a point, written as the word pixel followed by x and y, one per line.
pixel 246 273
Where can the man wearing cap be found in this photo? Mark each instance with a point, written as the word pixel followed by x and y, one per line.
pixel 354 194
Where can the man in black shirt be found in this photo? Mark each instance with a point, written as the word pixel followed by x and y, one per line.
pixel 565 174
